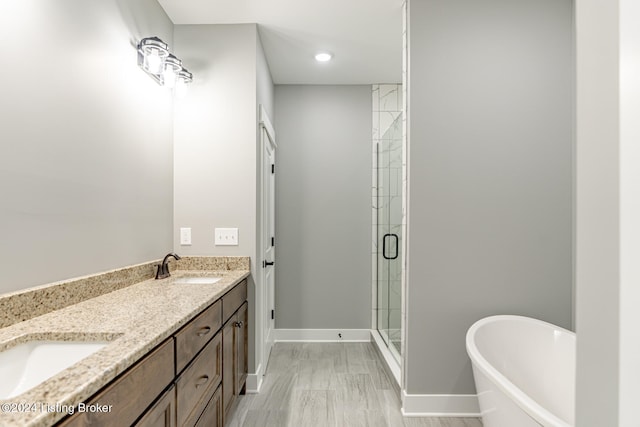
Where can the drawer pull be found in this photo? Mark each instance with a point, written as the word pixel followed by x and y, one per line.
pixel 202 380
pixel 239 324
pixel 204 331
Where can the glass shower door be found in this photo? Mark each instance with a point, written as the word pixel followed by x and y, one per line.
pixel 389 237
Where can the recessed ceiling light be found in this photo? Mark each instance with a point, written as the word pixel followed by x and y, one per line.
pixel 323 57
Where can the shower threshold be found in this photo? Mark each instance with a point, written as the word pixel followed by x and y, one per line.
pixel 389 354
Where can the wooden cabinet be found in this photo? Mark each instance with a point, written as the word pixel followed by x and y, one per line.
pixel 196 385
pixel 235 346
pixel 191 379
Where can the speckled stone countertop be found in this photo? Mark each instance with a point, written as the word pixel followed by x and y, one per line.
pixel 135 319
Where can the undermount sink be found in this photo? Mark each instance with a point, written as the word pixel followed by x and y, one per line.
pixel 197 280
pixel 27 365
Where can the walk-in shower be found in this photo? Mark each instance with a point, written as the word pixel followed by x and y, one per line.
pixel 388 216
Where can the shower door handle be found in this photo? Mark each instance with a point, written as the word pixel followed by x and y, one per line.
pixel 384 246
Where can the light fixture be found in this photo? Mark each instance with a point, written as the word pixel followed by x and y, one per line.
pixel 172 67
pixel 153 51
pixel 184 78
pixel 323 57
pixel 165 68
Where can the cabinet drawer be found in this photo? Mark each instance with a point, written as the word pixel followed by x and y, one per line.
pixel 212 415
pixel 198 382
pixel 196 334
pixel 129 395
pixel 233 299
pixel 163 413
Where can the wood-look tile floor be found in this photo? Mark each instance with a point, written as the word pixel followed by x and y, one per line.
pixel 328 385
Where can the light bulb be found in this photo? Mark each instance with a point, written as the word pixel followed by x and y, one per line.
pixel 153 61
pixel 184 78
pixel 169 77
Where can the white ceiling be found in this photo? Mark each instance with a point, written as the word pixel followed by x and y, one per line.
pixel 364 36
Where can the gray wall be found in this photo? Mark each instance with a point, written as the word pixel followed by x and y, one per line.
pixel 215 138
pixel 264 83
pixel 490 196
pixel 215 144
pixel 86 163
pixel 323 201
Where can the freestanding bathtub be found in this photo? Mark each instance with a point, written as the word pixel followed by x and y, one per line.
pixel 524 370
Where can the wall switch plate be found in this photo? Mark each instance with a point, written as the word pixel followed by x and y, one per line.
pixel 226 237
pixel 185 236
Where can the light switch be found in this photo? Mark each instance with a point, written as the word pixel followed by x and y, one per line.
pixel 185 236
pixel 226 237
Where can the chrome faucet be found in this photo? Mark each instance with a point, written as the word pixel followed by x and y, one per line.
pixel 163 269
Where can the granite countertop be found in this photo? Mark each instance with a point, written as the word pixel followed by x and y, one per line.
pixel 134 320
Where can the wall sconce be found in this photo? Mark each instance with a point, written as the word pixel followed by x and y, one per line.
pixel 165 68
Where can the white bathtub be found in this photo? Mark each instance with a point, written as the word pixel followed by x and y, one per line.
pixel 524 370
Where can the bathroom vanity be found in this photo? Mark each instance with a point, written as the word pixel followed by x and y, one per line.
pixel 191 379
pixel 176 356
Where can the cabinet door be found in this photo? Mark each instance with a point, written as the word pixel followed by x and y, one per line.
pixel 242 348
pixel 163 413
pixel 228 363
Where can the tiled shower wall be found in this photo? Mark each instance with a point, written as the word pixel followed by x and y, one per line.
pixel 387 202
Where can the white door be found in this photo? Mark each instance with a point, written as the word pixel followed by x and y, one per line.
pixel 268 237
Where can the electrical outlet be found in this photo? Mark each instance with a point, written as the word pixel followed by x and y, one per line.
pixel 226 237
pixel 185 236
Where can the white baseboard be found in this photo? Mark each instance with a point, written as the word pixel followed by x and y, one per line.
pixel 254 381
pixel 322 335
pixel 440 405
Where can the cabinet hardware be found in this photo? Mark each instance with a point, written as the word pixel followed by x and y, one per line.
pixel 204 331
pixel 265 264
pixel 202 380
